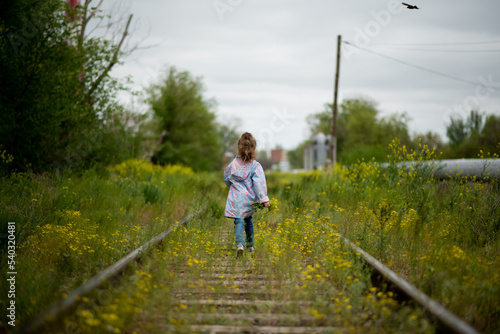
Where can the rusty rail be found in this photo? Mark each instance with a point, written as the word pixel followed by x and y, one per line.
pixel 449 319
pixel 60 307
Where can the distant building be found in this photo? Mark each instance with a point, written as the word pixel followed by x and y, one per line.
pixel 316 154
pixel 279 161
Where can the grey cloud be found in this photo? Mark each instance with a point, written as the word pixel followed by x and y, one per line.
pixel 277 54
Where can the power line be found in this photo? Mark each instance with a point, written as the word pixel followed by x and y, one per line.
pixel 439 44
pixel 441 50
pixel 415 66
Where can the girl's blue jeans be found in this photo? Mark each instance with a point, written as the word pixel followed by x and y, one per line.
pixel 244 224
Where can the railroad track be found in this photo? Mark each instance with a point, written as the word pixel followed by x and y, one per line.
pixel 241 295
pixel 59 308
pixel 238 296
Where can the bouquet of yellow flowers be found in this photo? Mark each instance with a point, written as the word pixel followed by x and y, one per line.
pixel 273 205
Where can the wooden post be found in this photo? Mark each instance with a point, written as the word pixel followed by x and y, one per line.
pixel 333 139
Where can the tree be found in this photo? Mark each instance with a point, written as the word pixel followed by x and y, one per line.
pixel 57 100
pixel 431 139
pixel 459 129
pixel 358 123
pixel 478 132
pixel 264 159
pixel 490 134
pixel 321 121
pixel 229 134
pixel 186 125
pixel 394 126
pixel 361 133
pixel 456 131
pixel 296 156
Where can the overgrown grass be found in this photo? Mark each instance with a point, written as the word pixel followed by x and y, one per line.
pixel 302 254
pixel 71 226
pixel 306 248
pixel 441 235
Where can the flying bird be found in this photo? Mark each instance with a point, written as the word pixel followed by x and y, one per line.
pixel 409 6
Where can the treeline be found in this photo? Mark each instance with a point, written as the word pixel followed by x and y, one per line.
pixel 56 99
pixel 468 136
pixel 58 102
pixel 59 106
pixel 363 133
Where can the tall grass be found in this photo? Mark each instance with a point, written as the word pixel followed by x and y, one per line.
pixel 302 253
pixel 441 235
pixel 69 226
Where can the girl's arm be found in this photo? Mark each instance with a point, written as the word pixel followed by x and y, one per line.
pixel 259 184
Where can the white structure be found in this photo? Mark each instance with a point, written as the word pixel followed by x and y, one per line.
pixel 316 154
pixel 456 168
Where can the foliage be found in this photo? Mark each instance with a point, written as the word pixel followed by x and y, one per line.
pixel 186 125
pixel 273 205
pixel 458 129
pixel 475 133
pixel 431 139
pixel 302 255
pixel 56 107
pixel 296 156
pixel 69 225
pixel 443 236
pixel 229 134
pixel 321 121
pixel 264 159
pixel 144 170
pixel 6 161
pixel 361 133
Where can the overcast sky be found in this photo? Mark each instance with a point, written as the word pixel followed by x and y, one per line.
pixel 272 63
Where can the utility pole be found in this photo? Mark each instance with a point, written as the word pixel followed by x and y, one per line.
pixel 333 140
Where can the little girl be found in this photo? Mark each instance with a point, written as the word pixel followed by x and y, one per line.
pixel 247 184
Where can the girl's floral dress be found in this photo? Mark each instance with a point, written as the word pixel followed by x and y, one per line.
pixel 247 184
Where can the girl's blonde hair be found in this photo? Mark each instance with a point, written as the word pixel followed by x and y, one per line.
pixel 247 146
